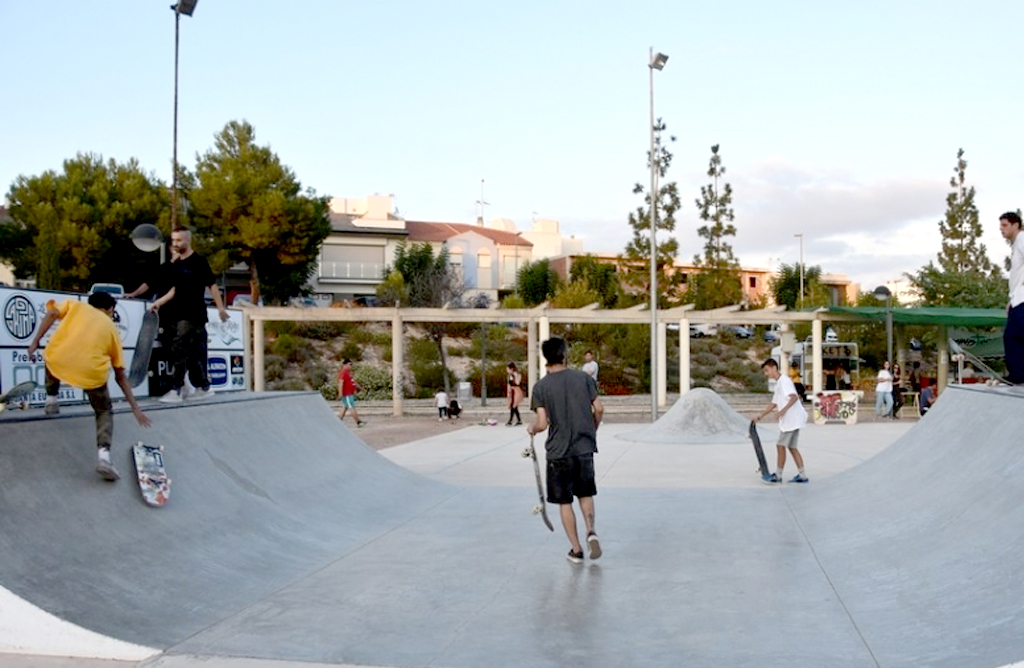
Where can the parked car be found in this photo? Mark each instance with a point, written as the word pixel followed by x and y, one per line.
pixel 739 331
pixel 303 302
pixel 115 290
pixel 699 331
pixel 368 301
pixel 772 334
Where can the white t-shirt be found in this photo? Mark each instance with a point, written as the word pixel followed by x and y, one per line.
pixel 590 368
pixel 441 399
pixel 1017 271
pixel 796 416
pixel 884 381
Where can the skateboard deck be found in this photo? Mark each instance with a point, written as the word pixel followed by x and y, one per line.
pixel 144 348
pixel 540 508
pixel 755 438
pixel 19 391
pixel 153 481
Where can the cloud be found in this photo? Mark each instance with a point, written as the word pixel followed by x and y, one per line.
pixel 872 230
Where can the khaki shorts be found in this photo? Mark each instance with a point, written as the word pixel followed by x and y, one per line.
pixel 788 439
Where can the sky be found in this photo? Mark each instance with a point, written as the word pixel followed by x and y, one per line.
pixel 838 121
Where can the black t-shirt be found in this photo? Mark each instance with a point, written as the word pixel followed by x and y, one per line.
pixel 190 278
pixel 567 396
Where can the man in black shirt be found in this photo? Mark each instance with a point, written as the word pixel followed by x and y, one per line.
pixel 567 405
pixel 190 276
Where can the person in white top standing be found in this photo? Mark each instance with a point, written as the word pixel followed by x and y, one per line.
pixel 589 365
pixel 883 391
pixel 1013 333
pixel 792 417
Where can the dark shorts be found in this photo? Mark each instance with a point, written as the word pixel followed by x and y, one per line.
pixel 573 476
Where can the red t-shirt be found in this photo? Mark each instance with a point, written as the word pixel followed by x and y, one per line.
pixel 348 386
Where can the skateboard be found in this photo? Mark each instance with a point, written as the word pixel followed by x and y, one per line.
pixel 153 480
pixel 755 438
pixel 144 348
pixel 540 508
pixel 19 391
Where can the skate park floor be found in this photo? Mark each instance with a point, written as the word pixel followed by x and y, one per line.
pixel 901 551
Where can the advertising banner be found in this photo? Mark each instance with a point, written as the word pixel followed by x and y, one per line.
pixel 23 312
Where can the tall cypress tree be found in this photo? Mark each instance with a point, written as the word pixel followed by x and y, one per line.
pixel 717 282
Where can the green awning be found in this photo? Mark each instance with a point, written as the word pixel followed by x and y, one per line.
pixel 929 315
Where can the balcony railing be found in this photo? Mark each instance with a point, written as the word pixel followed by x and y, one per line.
pixel 352 271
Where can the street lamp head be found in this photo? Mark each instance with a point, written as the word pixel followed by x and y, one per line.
pixel 147 238
pixel 882 293
pixel 185 7
pixel 658 61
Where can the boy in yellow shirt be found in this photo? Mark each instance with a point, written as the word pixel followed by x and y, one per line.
pixel 81 353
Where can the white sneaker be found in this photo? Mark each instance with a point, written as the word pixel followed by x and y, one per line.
pixel 52 407
pixel 202 394
pixel 172 397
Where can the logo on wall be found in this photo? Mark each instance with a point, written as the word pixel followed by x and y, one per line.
pixel 121 322
pixel 218 370
pixel 19 317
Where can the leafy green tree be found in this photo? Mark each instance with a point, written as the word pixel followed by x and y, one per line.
pixel 430 281
pixel 249 208
pixel 537 282
pixel 785 287
pixel 635 262
pixel 599 277
pixel 964 276
pixel 72 229
pixel 716 282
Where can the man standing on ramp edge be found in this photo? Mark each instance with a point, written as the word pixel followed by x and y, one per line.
pixel 566 404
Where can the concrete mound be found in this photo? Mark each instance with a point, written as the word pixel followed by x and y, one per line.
pixel 700 416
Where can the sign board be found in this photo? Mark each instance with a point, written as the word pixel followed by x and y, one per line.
pixel 23 312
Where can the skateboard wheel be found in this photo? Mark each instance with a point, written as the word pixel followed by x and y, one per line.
pixel 537 509
pixel 526 452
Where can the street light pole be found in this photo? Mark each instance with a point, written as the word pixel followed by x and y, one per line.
pixel 655 62
pixel 882 292
pixel 801 237
pixel 185 7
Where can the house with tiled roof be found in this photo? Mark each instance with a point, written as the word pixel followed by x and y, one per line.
pixel 366 232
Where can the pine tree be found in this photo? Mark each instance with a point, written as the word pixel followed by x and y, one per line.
pixel 961 228
pixel 717 282
pixel 965 276
pixel 635 262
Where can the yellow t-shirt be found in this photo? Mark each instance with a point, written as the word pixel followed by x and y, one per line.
pixel 85 345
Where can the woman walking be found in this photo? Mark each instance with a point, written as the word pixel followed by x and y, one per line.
pixel 514 392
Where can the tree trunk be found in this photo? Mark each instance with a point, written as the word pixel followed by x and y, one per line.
pixel 254 282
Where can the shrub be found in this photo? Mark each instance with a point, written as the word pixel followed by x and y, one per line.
pixel 273 367
pixel 279 327
pixel 329 390
pixel 316 374
pixel 374 381
pixel 421 351
pixel 351 350
pixel 292 348
pixel 322 331
pixel 430 376
pixel 288 385
pixel 496 379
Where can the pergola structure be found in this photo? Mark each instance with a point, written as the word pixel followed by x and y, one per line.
pixel 538 322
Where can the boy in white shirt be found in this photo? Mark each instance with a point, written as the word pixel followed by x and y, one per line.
pixel 792 417
pixel 441 401
pixel 1013 333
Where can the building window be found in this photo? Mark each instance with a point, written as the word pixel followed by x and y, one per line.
pixel 360 263
pixel 753 282
pixel 483 269
pixel 455 260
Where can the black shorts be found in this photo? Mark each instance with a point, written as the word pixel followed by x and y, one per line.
pixel 573 476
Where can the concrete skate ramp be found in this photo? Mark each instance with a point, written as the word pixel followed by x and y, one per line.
pixel 699 416
pixel 287 539
pixel 265 489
